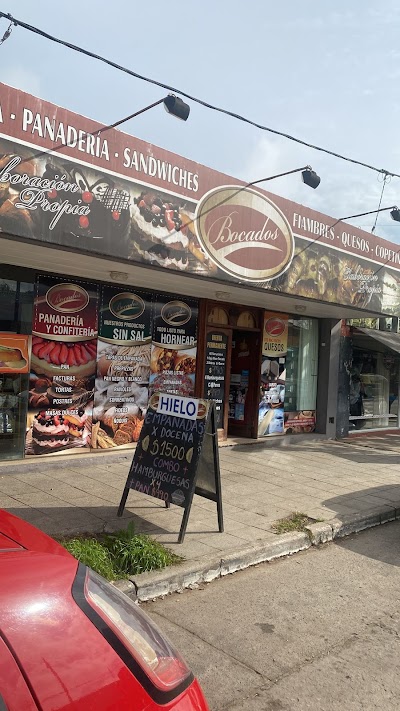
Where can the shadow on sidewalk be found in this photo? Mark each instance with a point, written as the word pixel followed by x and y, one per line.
pixel 68 520
pixel 382 544
pixel 372 498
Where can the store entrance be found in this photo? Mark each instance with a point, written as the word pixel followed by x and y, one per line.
pixel 243 400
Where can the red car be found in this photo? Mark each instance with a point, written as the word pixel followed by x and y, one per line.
pixel 70 641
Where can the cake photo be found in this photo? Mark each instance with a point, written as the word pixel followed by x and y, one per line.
pixel 49 433
pixel 163 233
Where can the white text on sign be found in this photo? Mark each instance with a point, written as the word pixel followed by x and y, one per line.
pixel 185 407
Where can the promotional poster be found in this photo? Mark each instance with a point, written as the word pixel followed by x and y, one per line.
pixel 63 366
pixel 123 367
pixel 174 346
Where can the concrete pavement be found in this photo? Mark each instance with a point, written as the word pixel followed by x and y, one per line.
pixel 261 482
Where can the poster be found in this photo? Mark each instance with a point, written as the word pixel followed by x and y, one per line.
pixel 271 407
pixel 215 372
pixel 123 367
pixel 14 355
pixel 300 422
pixel 275 334
pixel 174 346
pixel 63 366
pixel 273 374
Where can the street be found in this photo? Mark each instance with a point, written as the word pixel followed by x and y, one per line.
pixel 320 630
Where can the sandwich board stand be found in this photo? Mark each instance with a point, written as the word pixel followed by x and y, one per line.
pixel 177 455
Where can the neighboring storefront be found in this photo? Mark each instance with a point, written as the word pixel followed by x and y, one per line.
pixel 126 269
pixel 374 380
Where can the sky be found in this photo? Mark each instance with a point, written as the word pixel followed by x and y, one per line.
pixel 325 72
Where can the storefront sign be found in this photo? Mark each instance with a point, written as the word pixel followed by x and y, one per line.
pixel 215 372
pixel 166 458
pixel 14 354
pixel 63 366
pixel 111 194
pixel 174 346
pixel 275 334
pixel 169 455
pixel 123 367
pixel 244 233
pixel 184 407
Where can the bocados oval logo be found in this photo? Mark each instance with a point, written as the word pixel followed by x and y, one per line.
pixel 275 327
pixel 244 233
pixel 176 313
pixel 67 298
pixel 126 306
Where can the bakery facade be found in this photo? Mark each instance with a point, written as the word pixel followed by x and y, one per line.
pixel 126 270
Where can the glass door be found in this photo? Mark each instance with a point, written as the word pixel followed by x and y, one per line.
pixel 13 408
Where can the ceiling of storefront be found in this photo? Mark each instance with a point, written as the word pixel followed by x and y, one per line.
pixel 60 261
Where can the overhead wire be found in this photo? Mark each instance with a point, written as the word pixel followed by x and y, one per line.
pixel 206 104
pixel 385 180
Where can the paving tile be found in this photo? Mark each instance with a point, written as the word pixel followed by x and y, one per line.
pixel 6 502
pixel 222 541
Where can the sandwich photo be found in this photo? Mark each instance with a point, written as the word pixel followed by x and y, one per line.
pixel 11 358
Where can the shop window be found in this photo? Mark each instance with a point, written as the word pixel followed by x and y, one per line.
pixel 246 320
pixel 374 389
pixel 16 305
pixel 302 365
pixel 218 315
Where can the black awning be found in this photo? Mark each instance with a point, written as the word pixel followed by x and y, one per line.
pixel 389 339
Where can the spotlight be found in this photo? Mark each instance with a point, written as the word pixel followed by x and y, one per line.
pixel 310 178
pixel 176 107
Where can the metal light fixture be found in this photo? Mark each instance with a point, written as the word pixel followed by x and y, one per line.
pixel 310 177
pixel 176 107
pixel 394 214
pixel 172 104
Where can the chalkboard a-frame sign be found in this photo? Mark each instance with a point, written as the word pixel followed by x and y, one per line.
pixel 177 455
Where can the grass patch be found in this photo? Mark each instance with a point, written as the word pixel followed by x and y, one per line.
pixel 296 521
pixel 120 554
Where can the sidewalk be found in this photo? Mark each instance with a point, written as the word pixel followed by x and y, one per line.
pixel 260 484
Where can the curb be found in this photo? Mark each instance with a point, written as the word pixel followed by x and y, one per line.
pixel 148 586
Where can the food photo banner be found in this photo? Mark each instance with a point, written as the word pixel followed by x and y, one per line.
pixel 174 346
pixel 63 366
pixel 123 367
pixel 112 193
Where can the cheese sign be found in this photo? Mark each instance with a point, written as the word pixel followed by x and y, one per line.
pixel 275 334
pixel 177 406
